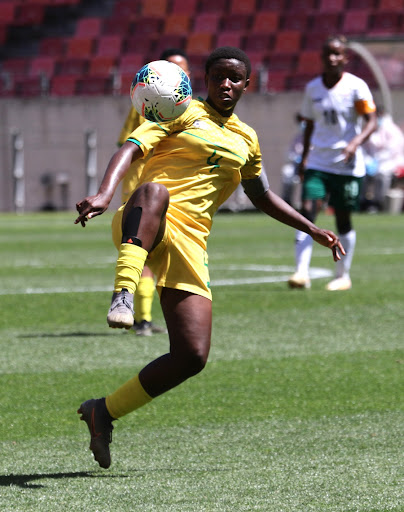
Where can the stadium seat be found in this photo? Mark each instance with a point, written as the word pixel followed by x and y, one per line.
pixel 42 65
pixel 140 45
pixel 325 22
pixel 309 62
pixel 296 6
pixel 355 22
pixel 184 6
pixel 391 5
pixel 72 66
pixel 220 6
pixel 29 87
pixel 294 21
pixel 265 22
pixel 282 62
pixel 229 38
pixel 199 44
pixel 94 86
pixel 177 24
pixel 258 59
pixel 243 6
pixel 101 65
pixel 150 26
pixel 79 47
pixel 332 5
pixel 109 46
pixel 258 43
pixel 126 10
pixel 287 41
pixel 7 12
pixel 168 41
pixel 52 46
pixel 273 5
pixel 129 64
pixel 29 14
pixel 276 81
pixel 360 4
pixel 16 67
pixel 207 22
pixel 88 27
pixel 63 86
pixel 237 22
pixel 386 23
pixel 156 8
pixel 314 40
pixel 115 26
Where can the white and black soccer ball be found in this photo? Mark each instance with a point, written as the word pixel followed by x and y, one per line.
pixel 161 91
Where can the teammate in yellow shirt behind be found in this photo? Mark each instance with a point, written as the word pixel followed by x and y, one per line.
pixel 143 325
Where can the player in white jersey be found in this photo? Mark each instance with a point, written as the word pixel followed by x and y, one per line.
pixel 340 114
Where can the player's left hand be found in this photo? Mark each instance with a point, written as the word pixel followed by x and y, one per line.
pixel 329 239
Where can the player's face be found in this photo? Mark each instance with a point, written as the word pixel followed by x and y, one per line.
pixel 334 57
pixel 181 62
pixel 226 81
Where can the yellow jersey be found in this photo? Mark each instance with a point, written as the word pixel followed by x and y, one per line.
pixel 200 158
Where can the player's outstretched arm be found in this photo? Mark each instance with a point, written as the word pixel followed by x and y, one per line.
pixel 92 206
pixel 274 206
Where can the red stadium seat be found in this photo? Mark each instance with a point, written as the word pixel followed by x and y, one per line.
pixel 129 64
pixel 276 81
pixel 355 22
pixel 145 27
pixel 282 62
pixel 360 4
pixel 184 6
pixel 332 5
pixel 391 5
pixel 126 9
pixel 258 43
pixel 243 6
pixel 42 65
pixel 314 40
pixel 94 86
pixel 273 5
pixel 7 12
pixel 101 65
pixel 325 22
pixel 52 46
pixel 72 66
pixel 109 46
pixel 156 8
pixel 115 26
pixel 177 24
pixel 63 86
pixel 309 62
pixel 140 45
pixel 168 41
pixel 29 87
pixel 16 67
pixel 219 6
pixel 237 22
pixel 298 82
pixel 386 23
pixel 229 38
pixel 207 22
pixel 199 44
pixel 287 41
pixel 301 5
pixel 79 47
pixel 29 14
pixel 88 27
pixel 265 22
pixel 295 21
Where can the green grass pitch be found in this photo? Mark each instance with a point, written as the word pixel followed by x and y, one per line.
pixel 300 408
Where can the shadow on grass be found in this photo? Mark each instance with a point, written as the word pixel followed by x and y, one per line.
pixel 25 481
pixel 69 335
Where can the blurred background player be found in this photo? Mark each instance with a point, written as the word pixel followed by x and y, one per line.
pixel 384 155
pixel 144 295
pixel 332 163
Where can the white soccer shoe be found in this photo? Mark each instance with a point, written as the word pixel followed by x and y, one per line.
pixel 120 314
pixel 339 284
pixel 299 281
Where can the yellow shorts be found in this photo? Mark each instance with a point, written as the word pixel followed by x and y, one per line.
pixel 177 261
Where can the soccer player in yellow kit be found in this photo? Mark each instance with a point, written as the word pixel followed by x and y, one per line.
pixel 143 325
pixel 198 161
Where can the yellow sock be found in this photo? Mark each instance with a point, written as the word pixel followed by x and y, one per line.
pixel 129 266
pixel 144 299
pixel 127 398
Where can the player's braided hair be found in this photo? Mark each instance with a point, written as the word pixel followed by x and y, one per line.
pixel 228 52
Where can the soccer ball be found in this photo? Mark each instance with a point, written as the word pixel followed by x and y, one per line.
pixel 161 91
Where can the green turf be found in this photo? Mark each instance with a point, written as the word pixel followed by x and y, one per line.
pixel 299 409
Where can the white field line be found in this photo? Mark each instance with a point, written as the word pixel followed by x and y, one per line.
pixel 268 274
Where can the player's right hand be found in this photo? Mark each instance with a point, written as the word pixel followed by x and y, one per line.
pixel 90 207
